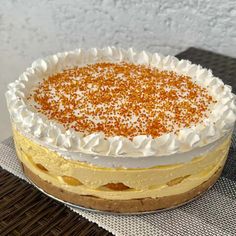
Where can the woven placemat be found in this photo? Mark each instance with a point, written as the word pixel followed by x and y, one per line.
pixel 26 211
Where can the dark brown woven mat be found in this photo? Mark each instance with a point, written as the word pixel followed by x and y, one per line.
pixel 223 67
pixel 26 211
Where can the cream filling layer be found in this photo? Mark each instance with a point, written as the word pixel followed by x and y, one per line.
pixel 143 182
pixel 129 162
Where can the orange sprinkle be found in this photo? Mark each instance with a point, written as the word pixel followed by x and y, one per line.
pixel 122 99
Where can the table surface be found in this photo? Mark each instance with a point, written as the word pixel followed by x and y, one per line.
pixel 26 211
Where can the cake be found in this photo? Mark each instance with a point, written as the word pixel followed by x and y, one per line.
pixel 121 131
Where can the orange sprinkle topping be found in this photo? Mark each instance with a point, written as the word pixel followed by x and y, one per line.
pixel 122 99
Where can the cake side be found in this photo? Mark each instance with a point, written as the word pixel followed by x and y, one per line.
pixel 86 179
pixel 122 206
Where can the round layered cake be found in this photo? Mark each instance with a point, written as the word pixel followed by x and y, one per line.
pixel 121 131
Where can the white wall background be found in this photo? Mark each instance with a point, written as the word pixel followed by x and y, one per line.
pixel 30 29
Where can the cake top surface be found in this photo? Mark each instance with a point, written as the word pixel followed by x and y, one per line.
pixel 116 102
pixel 122 99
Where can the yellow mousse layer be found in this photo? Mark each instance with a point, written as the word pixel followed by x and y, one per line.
pixel 86 179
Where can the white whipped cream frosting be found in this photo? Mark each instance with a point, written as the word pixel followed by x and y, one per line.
pixel 72 144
